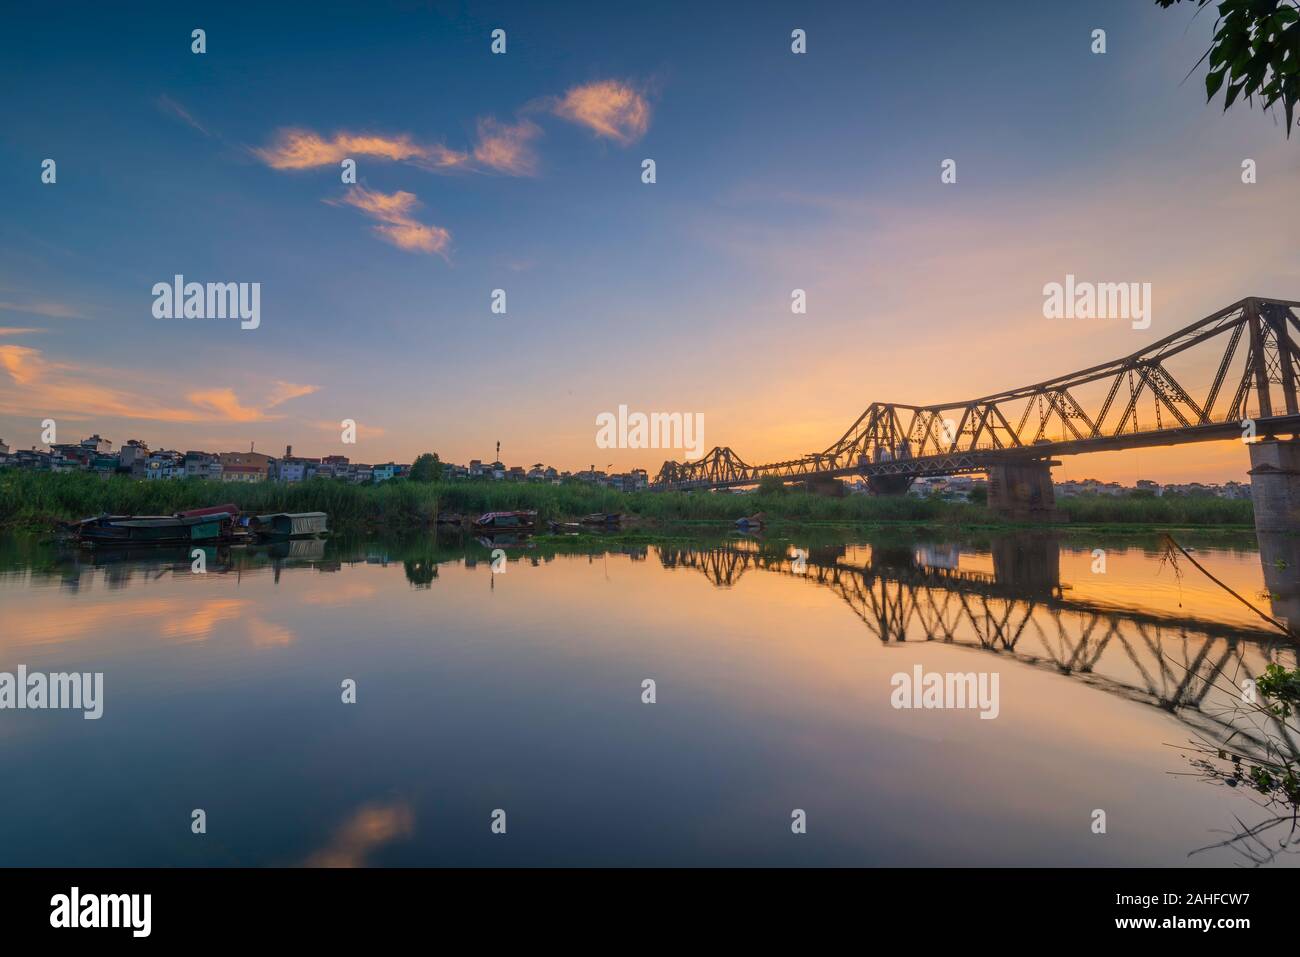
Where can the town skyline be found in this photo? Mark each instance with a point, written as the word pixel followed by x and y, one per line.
pixel 139 460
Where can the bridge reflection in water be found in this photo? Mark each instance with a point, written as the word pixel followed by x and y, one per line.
pixel 1021 610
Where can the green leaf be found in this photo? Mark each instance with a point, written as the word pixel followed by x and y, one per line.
pixel 1212 83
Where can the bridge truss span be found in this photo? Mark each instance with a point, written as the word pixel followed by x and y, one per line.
pixel 1198 384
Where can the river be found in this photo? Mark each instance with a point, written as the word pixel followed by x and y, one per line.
pixel 502 709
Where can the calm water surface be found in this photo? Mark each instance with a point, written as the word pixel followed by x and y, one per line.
pixel 521 690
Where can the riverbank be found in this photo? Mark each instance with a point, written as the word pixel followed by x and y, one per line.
pixel 41 500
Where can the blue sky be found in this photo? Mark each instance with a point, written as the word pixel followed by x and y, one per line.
pixel 774 171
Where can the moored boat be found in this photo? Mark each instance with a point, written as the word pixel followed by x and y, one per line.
pixel 751 521
pixel 506 520
pixel 197 525
pixel 290 524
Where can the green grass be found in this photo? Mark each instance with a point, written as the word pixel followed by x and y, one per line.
pixel 41 499
pixel 1176 510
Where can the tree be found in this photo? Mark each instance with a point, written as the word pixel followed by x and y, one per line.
pixel 1256 49
pixel 426 468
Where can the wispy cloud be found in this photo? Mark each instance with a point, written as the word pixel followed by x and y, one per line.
pixel 225 405
pixel 609 108
pixel 369 828
pixel 51 310
pixel 17 330
pixel 397 225
pixel 507 147
pixel 170 106
pixel 284 391
pixel 303 149
pixel 31 383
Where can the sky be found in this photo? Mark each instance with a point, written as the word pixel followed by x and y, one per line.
pixel 522 172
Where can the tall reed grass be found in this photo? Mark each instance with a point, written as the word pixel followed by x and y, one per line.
pixel 36 498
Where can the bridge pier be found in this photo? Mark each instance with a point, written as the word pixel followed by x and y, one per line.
pixel 1275 484
pixel 1022 491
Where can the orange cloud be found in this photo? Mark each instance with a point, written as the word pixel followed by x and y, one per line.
pixel 49 388
pixel 501 147
pixel 284 391
pixel 397 225
pixel 506 147
pixel 608 108
pixel 369 828
pixel 226 405
pixel 29 383
pixel 303 149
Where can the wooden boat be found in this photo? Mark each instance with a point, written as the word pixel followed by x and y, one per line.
pixel 290 524
pixel 603 518
pixel 561 528
pixel 752 521
pixel 512 521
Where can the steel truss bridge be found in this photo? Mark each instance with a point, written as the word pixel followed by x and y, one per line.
pixel 1159 660
pixel 1196 385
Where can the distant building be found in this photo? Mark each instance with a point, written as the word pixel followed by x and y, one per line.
pixel 96 444
pixel 203 465
pixel 33 459
pixel 105 465
pixel 245 466
pixel 164 465
pixel 70 457
pixel 133 456
pixel 293 468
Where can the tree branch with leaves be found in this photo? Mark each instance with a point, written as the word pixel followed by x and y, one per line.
pixel 1255 53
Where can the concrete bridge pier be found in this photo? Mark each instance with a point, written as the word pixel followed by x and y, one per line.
pixel 1022 491
pixel 1275 484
